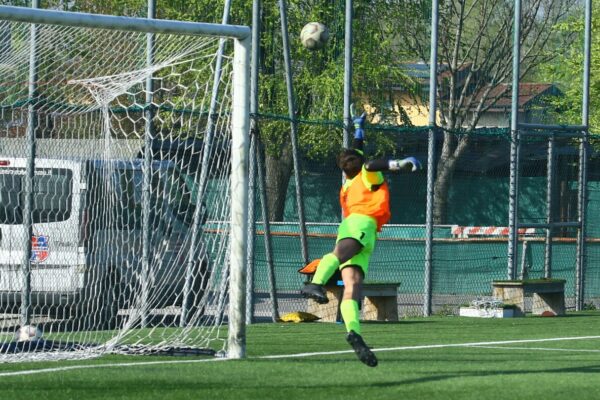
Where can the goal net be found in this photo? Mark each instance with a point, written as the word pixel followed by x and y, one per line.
pixel 122 186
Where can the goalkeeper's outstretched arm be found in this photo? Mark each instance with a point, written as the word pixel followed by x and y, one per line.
pixel 405 164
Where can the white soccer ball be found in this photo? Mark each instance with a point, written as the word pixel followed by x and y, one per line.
pixel 28 333
pixel 314 35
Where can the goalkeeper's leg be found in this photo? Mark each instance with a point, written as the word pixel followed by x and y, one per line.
pixel 355 241
pixel 344 250
pixel 353 277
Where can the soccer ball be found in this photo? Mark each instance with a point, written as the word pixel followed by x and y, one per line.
pixel 314 35
pixel 28 333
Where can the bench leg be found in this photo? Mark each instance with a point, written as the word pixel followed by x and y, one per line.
pixel 327 312
pixel 380 308
pixel 554 302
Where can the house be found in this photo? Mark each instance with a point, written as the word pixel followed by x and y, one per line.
pixel 533 98
pixel 413 102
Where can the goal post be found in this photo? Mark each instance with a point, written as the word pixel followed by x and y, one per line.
pixel 102 191
pixel 239 210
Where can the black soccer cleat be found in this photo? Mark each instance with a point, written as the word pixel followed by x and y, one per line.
pixel 361 349
pixel 315 292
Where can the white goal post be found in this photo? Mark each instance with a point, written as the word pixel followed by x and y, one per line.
pixel 123 185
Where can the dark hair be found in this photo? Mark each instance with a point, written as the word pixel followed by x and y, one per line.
pixel 350 161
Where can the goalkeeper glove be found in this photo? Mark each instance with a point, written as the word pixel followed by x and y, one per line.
pixel 409 163
pixel 359 122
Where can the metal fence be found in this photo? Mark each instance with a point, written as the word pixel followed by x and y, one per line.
pixel 465 257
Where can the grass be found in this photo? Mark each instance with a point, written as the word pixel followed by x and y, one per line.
pixel 546 369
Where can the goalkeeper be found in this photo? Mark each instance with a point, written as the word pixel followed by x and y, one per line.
pixel 365 202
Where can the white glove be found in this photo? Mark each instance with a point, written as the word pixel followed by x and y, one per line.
pixel 409 163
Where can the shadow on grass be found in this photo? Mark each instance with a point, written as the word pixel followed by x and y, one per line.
pixel 593 369
pixel 573 315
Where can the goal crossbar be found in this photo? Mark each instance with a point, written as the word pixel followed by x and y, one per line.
pixel 87 20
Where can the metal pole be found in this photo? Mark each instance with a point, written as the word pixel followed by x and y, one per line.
pixel 347 74
pixel 256 6
pixel 148 136
pixel 550 176
pixel 30 173
pixel 239 195
pixel 515 146
pixel 194 256
pixel 583 164
pixel 293 129
pixel 267 234
pixel 433 60
pixel 210 126
pixel 264 206
pixel 251 225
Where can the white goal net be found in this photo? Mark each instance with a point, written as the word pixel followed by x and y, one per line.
pixel 119 228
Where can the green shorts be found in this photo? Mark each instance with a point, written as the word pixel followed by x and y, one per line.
pixel 364 229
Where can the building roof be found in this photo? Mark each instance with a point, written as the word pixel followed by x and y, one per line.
pixel 528 94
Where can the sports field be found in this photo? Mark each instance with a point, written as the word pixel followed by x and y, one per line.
pixel 441 357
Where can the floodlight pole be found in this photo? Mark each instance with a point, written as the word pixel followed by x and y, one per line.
pixel 550 178
pixel 347 74
pixel 256 164
pixel 515 149
pixel 257 171
pixel 583 165
pixel 256 6
pixel 32 123
pixel 433 61
pixel 148 136
pixel 293 129
pixel 251 225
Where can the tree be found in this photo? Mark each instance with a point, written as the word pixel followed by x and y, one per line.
pixel 475 55
pixel 318 82
pixel 568 72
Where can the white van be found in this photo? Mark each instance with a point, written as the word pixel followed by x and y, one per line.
pixel 87 236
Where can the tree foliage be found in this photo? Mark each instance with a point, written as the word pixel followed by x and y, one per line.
pixel 475 59
pixel 567 71
pixel 318 79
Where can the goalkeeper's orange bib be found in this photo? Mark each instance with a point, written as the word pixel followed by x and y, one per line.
pixel 357 198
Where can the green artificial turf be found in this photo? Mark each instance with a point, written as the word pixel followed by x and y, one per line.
pixel 563 369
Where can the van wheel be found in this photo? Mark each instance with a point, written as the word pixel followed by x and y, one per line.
pixel 99 302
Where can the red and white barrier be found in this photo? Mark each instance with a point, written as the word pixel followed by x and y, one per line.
pixel 466 231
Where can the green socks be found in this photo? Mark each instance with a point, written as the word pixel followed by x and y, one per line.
pixel 351 315
pixel 349 308
pixel 327 267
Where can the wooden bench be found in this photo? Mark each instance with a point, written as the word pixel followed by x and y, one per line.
pixel 380 302
pixel 548 295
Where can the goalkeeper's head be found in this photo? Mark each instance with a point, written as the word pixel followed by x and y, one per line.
pixel 350 161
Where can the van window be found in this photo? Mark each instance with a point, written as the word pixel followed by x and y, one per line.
pixel 119 202
pixel 52 196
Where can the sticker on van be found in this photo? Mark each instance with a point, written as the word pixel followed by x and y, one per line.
pixel 39 248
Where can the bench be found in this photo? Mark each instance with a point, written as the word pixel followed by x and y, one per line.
pixel 380 302
pixel 548 295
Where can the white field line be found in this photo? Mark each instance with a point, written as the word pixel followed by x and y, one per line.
pixel 297 355
pixel 433 346
pixel 89 366
pixel 540 349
